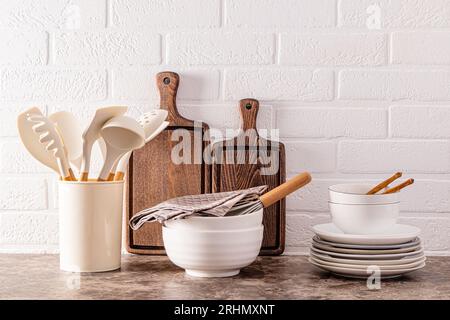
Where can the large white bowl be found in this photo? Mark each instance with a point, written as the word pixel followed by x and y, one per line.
pixel 246 221
pixel 355 193
pixel 212 253
pixel 364 218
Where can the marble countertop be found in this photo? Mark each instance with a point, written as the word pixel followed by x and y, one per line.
pixel 155 277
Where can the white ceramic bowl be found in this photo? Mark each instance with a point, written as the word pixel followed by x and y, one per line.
pixel 246 221
pixel 355 193
pixel 364 218
pixel 212 253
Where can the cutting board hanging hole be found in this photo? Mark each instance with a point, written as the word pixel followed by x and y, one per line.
pixel 166 80
pixel 249 112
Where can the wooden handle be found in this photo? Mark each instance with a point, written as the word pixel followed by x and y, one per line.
pixel 110 176
pixel 384 184
pixel 72 175
pixel 286 188
pixel 399 187
pixel 84 176
pixel 249 111
pixel 167 83
pixel 68 178
pixel 119 176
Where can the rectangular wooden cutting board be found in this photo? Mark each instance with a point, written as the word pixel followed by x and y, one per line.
pixel 153 177
pixel 241 165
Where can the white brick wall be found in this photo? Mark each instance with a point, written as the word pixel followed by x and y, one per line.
pixel 212 48
pixel 23 47
pixel 280 13
pixel 414 48
pixel 279 84
pixel 49 84
pixel 396 14
pixel 394 85
pixel 333 49
pixel 375 156
pixel 172 14
pixel 106 48
pixel 354 99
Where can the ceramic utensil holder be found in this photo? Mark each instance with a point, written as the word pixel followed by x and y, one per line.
pixel 90 225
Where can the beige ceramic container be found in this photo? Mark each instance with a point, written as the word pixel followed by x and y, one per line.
pixel 90 225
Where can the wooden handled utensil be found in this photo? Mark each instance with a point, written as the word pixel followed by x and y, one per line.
pixel 230 203
pixel 384 184
pixel 92 133
pixel 71 134
pixel 285 189
pixel 31 140
pixel 121 134
pixel 45 129
pixel 153 123
pixel 274 195
pixel 399 187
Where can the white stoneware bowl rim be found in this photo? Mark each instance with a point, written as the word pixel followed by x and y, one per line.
pixel 239 217
pixel 247 221
pixel 338 194
pixel 333 189
pixel 259 227
pixel 364 204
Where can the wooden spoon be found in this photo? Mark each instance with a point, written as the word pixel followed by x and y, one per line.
pixel 399 187
pixel 384 184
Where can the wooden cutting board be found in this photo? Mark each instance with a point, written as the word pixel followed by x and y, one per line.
pixel 152 175
pixel 240 166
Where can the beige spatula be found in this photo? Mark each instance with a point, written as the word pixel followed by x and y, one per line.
pixel 92 133
pixel 121 134
pixel 31 140
pixel 49 137
pixel 71 133
pixel 153 123
pixel 123 162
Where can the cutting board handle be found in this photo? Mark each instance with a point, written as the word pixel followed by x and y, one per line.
pixel 285 189
pixel 249 111
pixel 167 83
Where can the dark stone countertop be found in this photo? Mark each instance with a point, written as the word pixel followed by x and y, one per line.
pixel 155 277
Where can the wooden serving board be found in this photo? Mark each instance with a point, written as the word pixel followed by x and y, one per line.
pixel 240 166
pixel 152 175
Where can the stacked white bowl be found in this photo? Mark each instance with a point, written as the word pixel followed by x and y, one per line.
pixel 354 212
pixel 214 246
pixel 364 235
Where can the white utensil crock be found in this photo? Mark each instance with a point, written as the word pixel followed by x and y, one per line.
pixel 90 225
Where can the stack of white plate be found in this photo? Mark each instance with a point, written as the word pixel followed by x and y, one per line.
pixel 395 252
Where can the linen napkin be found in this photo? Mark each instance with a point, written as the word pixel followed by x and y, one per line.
pixel 210 204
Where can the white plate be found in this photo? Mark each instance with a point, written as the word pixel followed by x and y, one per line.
pixel 368 262
pixel 394 256
pixel 362 273
pixel 412 243
pixel 364 267
pixel 364 251
pixel 399 233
